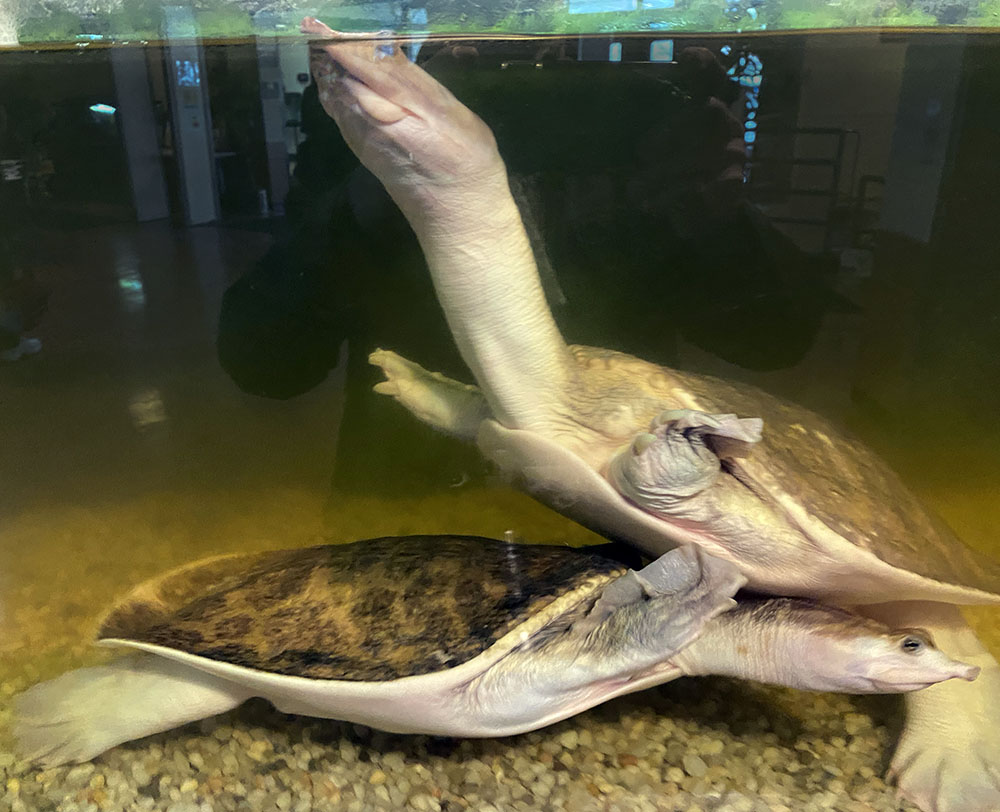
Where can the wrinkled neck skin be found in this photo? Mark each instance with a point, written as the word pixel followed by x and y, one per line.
pixel 775 653
pixel 488 285
pixel 440 164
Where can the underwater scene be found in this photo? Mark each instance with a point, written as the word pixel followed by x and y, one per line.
pixel 595 421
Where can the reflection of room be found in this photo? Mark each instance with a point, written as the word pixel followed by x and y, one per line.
pixel 864 105
pixel 855 138
pixel 203 386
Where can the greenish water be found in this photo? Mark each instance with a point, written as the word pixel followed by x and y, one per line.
pixel 204 389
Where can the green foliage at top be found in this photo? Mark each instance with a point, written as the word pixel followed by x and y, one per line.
pixel 852 13
pixel 718 15
pixel 460 14
pixel 987 13
pixel 695 15
pixel 137 19
pixel 55 21
pixel 220 18
pixel 65 20
pixel 59 25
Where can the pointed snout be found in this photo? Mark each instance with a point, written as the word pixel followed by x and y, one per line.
pixel 947 668
pixel 899 676
pixel 954 670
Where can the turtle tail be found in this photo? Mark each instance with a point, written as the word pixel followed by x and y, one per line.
pixel 82 713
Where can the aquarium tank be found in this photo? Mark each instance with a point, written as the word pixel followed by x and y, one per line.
pixel 468 405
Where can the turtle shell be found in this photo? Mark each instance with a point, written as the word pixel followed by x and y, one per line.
pixel 803 461
pixel 837 480
pixel 372 610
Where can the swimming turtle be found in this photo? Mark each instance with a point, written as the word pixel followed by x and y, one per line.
pixel 650 455
pixel 452 635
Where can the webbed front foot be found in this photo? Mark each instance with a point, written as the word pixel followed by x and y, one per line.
pixel 948 756
pixel 679 457
pixel 443 403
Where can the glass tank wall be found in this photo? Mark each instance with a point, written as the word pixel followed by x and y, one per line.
pixel 195 268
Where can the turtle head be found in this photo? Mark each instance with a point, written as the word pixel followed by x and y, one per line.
pixel 837 650
pixel 900 660
pixel 813 647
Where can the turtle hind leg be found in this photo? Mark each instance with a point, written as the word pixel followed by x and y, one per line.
pixel 444 404
pixel 82 713
pixel 948 756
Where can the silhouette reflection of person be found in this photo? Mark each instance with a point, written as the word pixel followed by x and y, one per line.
pixel 23 300
pixel 631 188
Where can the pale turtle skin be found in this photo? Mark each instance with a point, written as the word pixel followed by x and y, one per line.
pixel 446 635
pixel 800 507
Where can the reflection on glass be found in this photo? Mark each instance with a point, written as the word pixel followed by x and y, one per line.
pixel 146 408
pixel 652 237
pixel 131 290
pixel 188 72
pixel 661 50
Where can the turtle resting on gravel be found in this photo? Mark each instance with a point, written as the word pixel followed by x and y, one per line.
pixel 650 455
pixel 449 635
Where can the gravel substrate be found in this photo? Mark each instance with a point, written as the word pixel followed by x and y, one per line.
pixel 692 745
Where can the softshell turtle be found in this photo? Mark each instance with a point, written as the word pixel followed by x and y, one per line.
pixel 650 455
pixel 451 635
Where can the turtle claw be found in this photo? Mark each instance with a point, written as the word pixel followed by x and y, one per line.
pixel 407 382
pixel 396 370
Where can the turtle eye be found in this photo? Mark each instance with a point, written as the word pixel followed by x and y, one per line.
pixel 915 643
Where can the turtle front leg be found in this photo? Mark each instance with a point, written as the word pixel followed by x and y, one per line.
pixel 638 622
pixel 948 756
pixel 447 405
pixel 679 458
